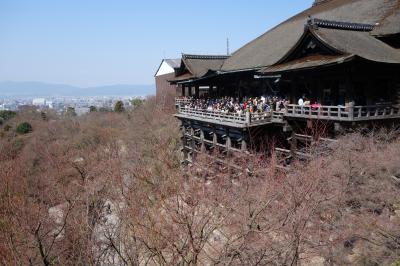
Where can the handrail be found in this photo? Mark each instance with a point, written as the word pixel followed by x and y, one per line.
pixel 243 119
pixel 349 113
pixel 179 101
pixel 327 112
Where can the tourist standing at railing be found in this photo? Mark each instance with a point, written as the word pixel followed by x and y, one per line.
pixel 300 102
pixel 234 105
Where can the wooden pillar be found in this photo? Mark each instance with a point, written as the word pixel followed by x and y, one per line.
pixel 351 110
pixel 186 90
pixel 192 143
pixel 293 145
pixel 349 91
pixel 203 148
pixel 243 144
pixel 248 117
pixel 211 91
pixel 183 90
pixel 184 150
pixel 190 90
pixel 215 139
pixel 228 142
pixel 293 96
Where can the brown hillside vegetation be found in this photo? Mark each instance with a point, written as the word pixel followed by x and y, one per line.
pixel 108 189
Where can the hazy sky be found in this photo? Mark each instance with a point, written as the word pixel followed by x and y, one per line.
pixel 99 42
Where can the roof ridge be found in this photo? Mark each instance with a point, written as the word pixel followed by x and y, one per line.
pixel 198 56
pixel 342 25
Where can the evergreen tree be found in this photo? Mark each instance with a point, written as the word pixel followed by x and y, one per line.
pixel 119 107
pixel 24 128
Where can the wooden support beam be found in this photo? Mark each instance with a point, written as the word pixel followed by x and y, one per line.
pixel 203 147
pixel 228 142
pixel 293 145
pixel 243 145
pixel 215 139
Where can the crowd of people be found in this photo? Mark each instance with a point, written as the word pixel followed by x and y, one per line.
pixel 234 105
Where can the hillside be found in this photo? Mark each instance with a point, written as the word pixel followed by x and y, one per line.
pixel 108 189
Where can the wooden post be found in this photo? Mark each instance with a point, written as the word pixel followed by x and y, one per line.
pixel 243 145
pixel 293 145
pixel 184 150
pixel 190 91
pixel 203 148
pixel 351 110
pixel 228 142
pixel 248 118
pixel 183 90
pixel 192 143
pixel 215 139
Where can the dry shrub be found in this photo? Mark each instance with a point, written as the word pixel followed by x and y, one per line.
pixel 108 189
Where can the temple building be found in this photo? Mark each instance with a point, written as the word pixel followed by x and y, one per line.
pixel 166 92
pixel 337 63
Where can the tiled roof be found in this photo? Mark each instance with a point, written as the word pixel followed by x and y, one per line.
pixel 270 47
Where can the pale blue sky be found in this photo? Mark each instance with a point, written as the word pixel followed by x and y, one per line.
pixel 100 42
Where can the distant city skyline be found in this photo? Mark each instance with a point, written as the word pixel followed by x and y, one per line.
pixel 40 89
pixel 94 43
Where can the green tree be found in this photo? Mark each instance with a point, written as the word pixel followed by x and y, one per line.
pixel 119 107
pixel 93 108
pixel 5 115
pixel 24 128
pixel 136 102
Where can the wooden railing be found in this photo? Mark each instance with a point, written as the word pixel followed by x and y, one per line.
pixel 181 101
pixel 336 113
pixel 277 116
pixel 239 119
pixel 375 112
pixel 342 113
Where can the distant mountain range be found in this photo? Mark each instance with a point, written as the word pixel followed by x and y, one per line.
pixel 41 89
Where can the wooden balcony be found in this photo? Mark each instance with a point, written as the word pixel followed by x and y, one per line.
pixel 341 113
pixel 332 113
pixel 228 119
